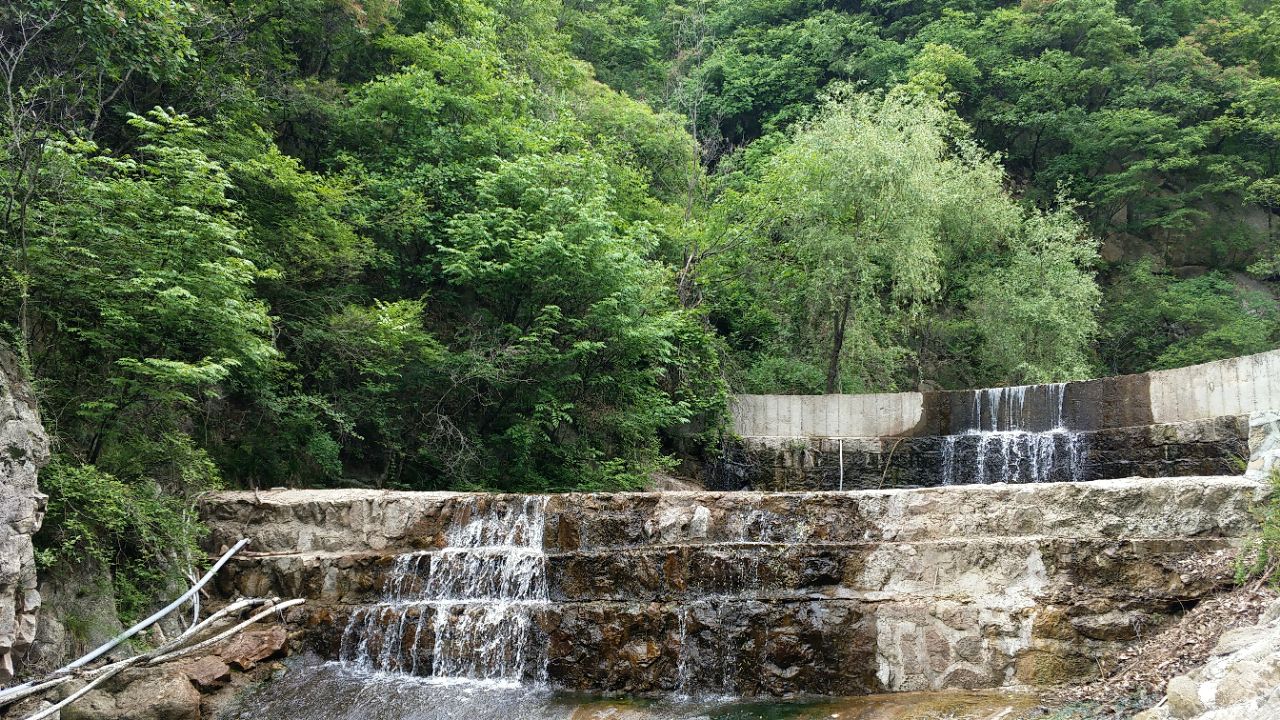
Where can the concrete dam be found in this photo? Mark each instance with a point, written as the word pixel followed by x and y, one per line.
pixel 983 539
pixel 1206 419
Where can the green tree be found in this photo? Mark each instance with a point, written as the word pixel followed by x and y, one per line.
pixel 1154 321
pixel 140 307
pixel 880 212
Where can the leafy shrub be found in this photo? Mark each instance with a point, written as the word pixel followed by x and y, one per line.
pixel 147 535
pixel 1260 557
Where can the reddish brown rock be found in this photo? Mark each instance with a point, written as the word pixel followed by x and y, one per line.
pixel 206 673
pixel 255 645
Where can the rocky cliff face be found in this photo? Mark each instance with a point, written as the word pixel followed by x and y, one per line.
pixel 24 449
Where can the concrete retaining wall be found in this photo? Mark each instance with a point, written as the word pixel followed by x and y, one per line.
pixel 1239 386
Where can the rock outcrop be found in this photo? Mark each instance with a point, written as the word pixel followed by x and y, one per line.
pixel 1241 681
pixel 973 586
pixel 1264 443
pixel 24 449
pixel 191 689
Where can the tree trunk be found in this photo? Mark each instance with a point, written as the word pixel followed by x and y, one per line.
pixel 837 344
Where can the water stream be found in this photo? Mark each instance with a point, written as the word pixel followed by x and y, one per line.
pixel 468 611
pixel 315 690
pixel 1015 435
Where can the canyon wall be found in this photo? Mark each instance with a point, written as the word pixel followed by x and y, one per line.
pixel 24 449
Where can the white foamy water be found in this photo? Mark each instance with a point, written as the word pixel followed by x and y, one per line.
pixel 467 612
pixel 1010 442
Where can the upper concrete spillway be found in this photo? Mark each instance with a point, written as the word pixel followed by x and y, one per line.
pixel 747 593
pixel 1238 386
pixel 1218 418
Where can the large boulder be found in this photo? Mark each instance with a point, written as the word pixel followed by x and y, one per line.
pixel 138 695
pixel 24 449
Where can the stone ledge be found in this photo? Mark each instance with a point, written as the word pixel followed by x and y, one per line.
pixel 1042 568
pixel 386 521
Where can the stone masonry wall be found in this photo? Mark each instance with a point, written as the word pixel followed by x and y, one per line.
pixel 1218 446
pixel 24 449
pixel 780 593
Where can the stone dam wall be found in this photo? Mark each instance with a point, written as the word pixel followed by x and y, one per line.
pixel 1239 386
pixel 1217 446
pixel 1216 418
pixel 972 586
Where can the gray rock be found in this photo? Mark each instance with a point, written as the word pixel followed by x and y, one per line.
pixel 24 449
pixel 1241 680
pixel 1183 695
pixel 1235 640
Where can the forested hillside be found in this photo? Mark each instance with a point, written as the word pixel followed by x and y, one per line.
pixel 534 244
pixel 1157 117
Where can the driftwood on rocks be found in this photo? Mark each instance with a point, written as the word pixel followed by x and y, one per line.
pixel 202 635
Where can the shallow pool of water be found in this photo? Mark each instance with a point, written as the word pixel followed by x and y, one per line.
pixel 314 690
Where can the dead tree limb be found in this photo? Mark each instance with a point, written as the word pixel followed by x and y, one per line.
pixel 159 614
pixel 185 644
pixel 182 652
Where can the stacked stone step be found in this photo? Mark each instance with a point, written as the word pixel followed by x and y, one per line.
pixel 782 593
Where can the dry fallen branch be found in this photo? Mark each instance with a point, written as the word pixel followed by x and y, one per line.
pixel 226 634
pixel 190 641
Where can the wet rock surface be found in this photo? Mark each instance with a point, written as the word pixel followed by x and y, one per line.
pixel 769 594
pixel 1217 446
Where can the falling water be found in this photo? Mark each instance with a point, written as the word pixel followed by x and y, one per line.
pixel 712 637
pixel 468 611
pixel 1011 440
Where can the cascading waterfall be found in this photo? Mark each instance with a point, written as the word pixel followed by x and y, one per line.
pixel 1012 440
pixel 468 611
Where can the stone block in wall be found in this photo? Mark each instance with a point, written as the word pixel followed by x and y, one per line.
pixel 24 449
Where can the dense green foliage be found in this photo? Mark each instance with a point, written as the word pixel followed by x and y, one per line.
pixel 1156 121
pixel 1162 116
pixel 533 244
